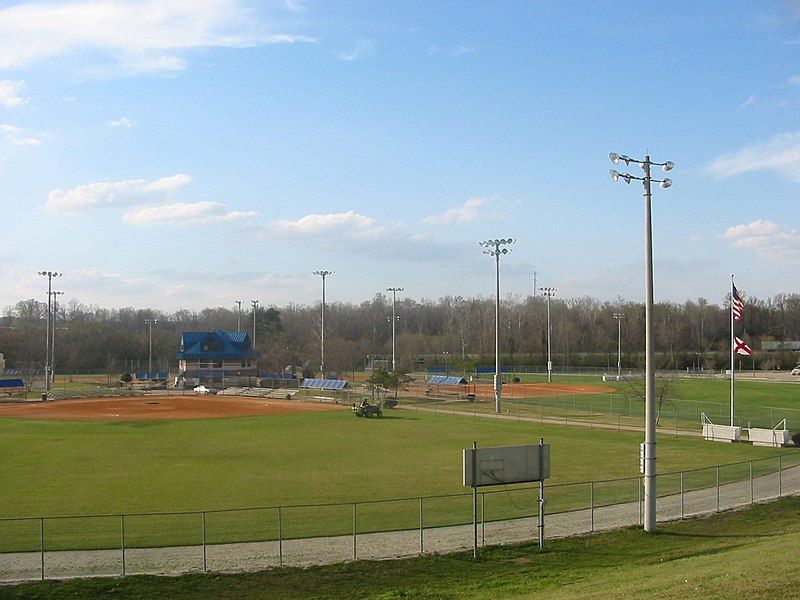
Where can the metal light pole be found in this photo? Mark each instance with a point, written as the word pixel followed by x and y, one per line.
pixel 49 275
pixel 650 379
pixel 322 274
pixel 150 322
pixel 395 318
pixel 254 304
pixel 493 248
pixel 446 354
pixel 238 315
pixel 53 336
pixel 548 292
pixel 619 317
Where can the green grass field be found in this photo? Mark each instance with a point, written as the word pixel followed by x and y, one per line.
pixel 746 554
pixel 95 468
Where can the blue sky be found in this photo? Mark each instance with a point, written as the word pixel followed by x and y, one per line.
pixel 183 154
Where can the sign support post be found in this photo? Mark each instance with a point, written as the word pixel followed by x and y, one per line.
pixel 541 496
pixel 474 500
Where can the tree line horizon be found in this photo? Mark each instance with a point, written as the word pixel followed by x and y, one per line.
pixel 455 331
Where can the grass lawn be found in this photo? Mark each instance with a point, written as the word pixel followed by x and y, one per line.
pixel 88 468
pixel 746 554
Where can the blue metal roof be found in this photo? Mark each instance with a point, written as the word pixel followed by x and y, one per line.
pixel 215 345
pixel 324 384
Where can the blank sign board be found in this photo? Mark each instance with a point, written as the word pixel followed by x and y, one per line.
pixel 509 464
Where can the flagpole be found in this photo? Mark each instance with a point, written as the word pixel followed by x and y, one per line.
pixel 733 357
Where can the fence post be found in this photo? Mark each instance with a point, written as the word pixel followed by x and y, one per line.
pixel 122 540
pixel 681 494
pixel 41 542
pixel 780 476
pixel 355 525
pixel 751 482
pixel 421 529
pixel 205 560
pixel 280 536
pixel 591 506
pixel 483 518
pixel 591 412
pixel 717 488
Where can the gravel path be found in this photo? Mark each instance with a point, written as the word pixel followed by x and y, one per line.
pixel 326 550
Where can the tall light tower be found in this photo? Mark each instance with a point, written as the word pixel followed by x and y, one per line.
pixel 548 292
pixel 650 378
pixel 49 275
pixel 238 315
pixel 493 248
pixel 322 274
pixel 619 317
pixel 254 304
pixel 395 318
pixel 150 322
pixel 53 336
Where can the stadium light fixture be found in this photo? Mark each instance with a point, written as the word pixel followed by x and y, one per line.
pixel 549 292
pixel 53 335
pixel 493 248
pixel 395 318
pixel 650 384
pixel 322 274
pixel 254 304
pixel 619 317
pixel 150 322
pixel 238 315
pixel 49 275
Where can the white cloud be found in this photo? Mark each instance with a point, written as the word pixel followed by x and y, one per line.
pixel 768 240
pixel 120 193
pixel 749 103
pixel 137 35
pixel 780 154
pixel 10 91
pixel 121 122
pixel 468 211
pixel 347 225
pixel 184 213
pixel 794 80
pixel 362 49
pixel 461 50
pixel 14 136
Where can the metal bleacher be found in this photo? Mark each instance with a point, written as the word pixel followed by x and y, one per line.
pixel 324 384
pixel 446 380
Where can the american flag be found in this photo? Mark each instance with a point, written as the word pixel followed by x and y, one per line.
pixel 737 305
pixel 741 348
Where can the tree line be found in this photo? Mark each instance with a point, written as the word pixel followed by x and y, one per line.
pixel 455 331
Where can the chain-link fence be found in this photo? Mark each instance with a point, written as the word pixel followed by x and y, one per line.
pixel 604 410
pixel 261 537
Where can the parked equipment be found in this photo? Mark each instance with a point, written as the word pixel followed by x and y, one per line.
pixel 365 409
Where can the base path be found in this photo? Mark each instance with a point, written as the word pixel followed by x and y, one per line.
pixel 156 408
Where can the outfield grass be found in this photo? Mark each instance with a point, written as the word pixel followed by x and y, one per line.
pixel 94 468
pixel 746 554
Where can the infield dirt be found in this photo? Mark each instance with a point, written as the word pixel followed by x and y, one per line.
pixel 157 408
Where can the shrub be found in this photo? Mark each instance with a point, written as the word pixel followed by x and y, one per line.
pixel 796 438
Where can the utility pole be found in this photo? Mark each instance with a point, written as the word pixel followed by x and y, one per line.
pixel 395 318
pixel 238 315
pixel 493 248
pixel 49 275
pixel 322 274
pixel 254 304
pixel 650 378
